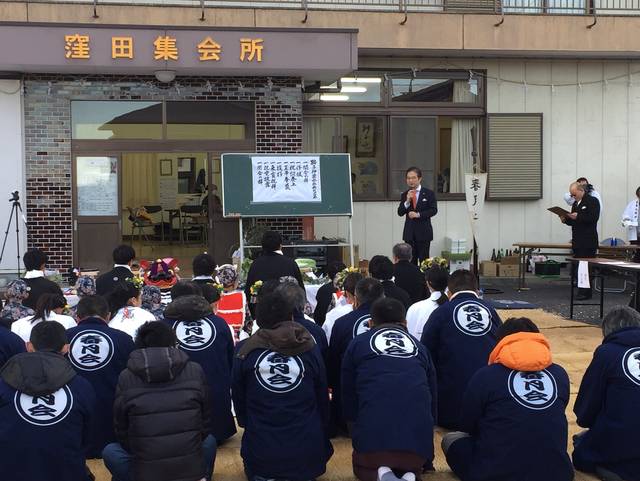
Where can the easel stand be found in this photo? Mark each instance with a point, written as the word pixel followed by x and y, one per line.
pixel 349 244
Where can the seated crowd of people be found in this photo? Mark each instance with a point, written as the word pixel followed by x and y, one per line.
pixel 153 379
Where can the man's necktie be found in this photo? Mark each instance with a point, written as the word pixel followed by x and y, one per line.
pixel 414 199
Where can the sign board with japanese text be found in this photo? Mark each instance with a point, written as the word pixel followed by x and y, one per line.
pixel 309 53
pixel 286 179
pixel 475 187
pixel 262 185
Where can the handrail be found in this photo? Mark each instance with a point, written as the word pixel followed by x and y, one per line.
pixel 591 8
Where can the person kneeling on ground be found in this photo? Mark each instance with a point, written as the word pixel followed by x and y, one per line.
pixel 207 340
pixel 459 336
pixel 608 401
pixel 388 398
pixel 280 397
pixel 346 328
pixel 46 411
pixel 162 414
pixel 99 354
pixel 513 414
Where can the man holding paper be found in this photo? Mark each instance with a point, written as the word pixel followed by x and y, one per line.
pixel 583 220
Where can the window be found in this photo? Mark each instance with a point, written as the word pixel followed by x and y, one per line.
pixel 364 139
pixel 459 140
pixel 348 89
pixel 434 120
pixel 184 120
pixel 463 90
pixel 93 120
pixel 208 120
pixel 321 135
pixel 413 143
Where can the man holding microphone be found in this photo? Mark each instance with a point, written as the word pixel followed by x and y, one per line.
pixel 418 205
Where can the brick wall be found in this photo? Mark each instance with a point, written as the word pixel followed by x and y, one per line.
pixel 47 110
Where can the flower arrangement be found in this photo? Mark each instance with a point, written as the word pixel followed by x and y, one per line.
pixel 342 275
pixel 218 287
pixel 136 281
pixel 430 262
pixel 254 290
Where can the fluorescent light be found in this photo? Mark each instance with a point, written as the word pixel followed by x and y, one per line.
pixel 353 89
pixel 334 85
pixel 334 98
pixel 361 80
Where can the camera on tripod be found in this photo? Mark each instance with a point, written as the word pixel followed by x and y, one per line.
pixel 15 196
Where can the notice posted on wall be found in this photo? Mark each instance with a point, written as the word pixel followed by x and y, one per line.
pixel 97 183
pixel 286 179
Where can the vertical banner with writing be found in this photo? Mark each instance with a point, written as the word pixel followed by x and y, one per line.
pixel 286 179
pixel 475 186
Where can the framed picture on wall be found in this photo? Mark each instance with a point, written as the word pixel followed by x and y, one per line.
pixel 166 167
pixel 365 137
pixel 185 164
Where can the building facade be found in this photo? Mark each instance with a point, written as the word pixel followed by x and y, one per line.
pixel 538 99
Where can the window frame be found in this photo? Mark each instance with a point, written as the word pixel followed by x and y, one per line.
pixel 164 144
pixel 444 74
pixel 388 109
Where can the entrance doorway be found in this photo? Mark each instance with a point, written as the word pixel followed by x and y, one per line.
pixel 147 174
pixel 165 211
pixel 164 204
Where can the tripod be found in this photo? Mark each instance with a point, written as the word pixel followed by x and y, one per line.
pixel 16 209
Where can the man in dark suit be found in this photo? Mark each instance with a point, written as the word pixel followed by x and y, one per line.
pixel 381 268
pixel 272 263
pixel 583 220
pixel 406 275
pixel 325 293
pixel 35 261
pixel 419 205
pixel 123 257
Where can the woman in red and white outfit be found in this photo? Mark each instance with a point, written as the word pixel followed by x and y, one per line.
pixel 233 306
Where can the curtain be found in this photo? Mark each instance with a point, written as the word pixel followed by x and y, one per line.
pixel 140 174
pixel 312 134
pixel 461 139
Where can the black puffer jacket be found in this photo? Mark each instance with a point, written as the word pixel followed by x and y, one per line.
pixel 162 414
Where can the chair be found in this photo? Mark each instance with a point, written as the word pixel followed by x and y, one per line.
pixel 194 219
pixel 154 209
pixel 139 221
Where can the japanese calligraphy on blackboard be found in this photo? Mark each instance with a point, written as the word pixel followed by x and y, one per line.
pixel 286 179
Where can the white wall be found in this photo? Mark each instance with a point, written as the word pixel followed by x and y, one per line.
pixel 12 162
pixel 589 129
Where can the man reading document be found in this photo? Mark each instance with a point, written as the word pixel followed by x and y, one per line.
pixel 583 220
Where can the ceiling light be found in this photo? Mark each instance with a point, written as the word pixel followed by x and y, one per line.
pixel 361 80
pixel 334 98
pixel 165 76
pixel 353 89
